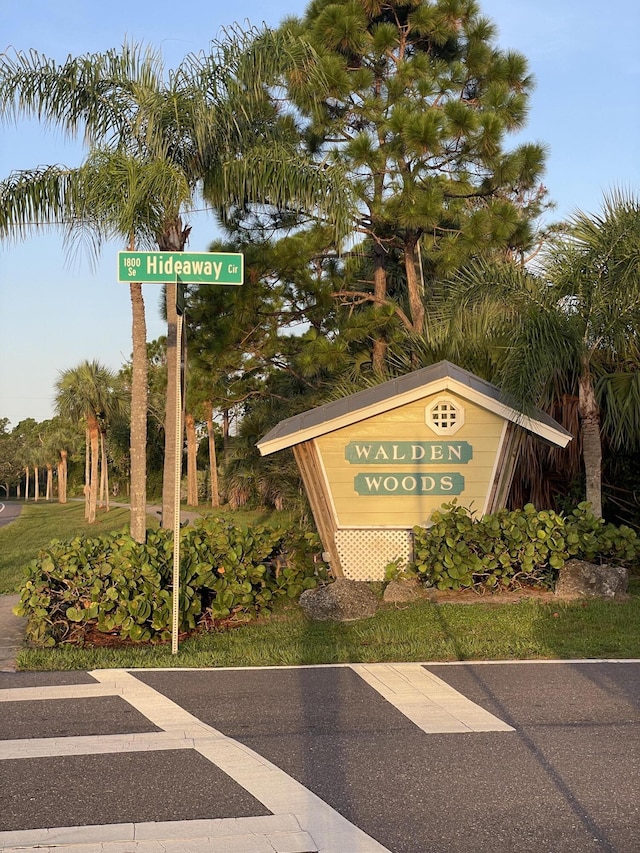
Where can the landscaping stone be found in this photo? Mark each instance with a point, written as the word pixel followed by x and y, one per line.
pixel 342 601
pixel 400 591
pixel 580 579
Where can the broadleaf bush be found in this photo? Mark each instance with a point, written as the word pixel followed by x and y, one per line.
pixel 514 548
pixel 113 586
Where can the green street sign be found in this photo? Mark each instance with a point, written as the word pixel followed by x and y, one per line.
pixel 188 267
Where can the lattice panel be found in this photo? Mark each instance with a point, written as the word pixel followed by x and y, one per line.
pixel 365 554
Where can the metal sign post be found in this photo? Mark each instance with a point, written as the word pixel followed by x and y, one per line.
pixel 181 268
pixel 176 495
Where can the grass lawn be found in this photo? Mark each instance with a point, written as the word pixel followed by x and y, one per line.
pixel 41 522
pixel 416 632
pixel 422 631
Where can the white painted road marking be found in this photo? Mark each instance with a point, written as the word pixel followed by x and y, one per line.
pixel 300 822
pixel 321 829
pixel 266 834
pixel 271 786
pixel 426 700
pixel 62 691
pixel 54 747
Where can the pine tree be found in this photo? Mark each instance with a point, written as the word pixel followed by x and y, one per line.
pixel 416 102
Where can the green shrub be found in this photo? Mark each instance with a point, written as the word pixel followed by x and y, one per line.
pixel 600 541
pixel 113 585
pixel 512 548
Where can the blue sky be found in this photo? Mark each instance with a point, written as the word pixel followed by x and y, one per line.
pixel 56 311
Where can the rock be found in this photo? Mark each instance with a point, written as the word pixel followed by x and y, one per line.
pixel 343 601
pixel 579 579
pixel 397 592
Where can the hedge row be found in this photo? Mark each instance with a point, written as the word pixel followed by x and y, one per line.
pixel 115 586
pixel 511 548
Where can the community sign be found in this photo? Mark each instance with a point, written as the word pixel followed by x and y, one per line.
pixel 379 462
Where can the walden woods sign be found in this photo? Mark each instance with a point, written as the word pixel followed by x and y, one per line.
pixel 429 452
pixel 409 453
pixel 380 462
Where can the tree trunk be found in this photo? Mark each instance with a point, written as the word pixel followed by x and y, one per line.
pixel 104 478
pixel 103 495
pixel 169 472
pixel 138 435
pixel 380 292
pixel 94 439
pixel 213 465
pixel 26 483
pixel 591 442
pixel 62 478
pixel 49 494
pixel 173 239
pixel 36 483
pixel 192 462
pixel 60 483
pixel 87 472
pixel 225 430
pixel 414 286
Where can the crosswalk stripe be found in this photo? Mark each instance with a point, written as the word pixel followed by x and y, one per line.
pixel 426 700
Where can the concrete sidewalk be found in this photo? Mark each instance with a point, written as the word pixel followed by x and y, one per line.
pixel 11 633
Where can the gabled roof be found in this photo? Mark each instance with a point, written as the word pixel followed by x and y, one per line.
pixel 434 379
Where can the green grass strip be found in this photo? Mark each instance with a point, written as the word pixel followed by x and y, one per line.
pixel 528 629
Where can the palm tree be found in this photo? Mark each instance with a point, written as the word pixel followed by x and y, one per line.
pixel 56 439
pixel 46 455
pixel 89 391
pixel 63 440
pixel 38 460
pixel 211 129
pixel 112 195
pixel 26 434
pixel 573 323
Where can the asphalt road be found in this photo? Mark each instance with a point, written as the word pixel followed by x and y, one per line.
pixel 9 512
pixel 539 757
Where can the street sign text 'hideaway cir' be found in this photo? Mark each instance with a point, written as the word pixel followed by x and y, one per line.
pixel 188 267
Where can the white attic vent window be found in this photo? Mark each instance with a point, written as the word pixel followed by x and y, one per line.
pixel 444 416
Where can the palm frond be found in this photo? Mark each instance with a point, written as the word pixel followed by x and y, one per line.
pixel 34 198
pixel 90 388
pixel 619 398
pixel 93 93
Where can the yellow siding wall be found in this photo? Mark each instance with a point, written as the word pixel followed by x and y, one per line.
pixel 482 430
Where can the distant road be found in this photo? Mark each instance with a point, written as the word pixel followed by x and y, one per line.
pixel 9 512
